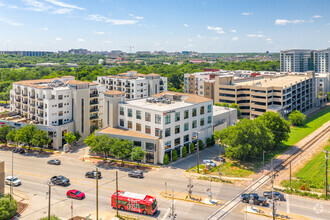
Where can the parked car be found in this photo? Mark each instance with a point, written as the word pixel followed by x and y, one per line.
pixel 54 162
pixel 7 106
pixel 257 200
pixel 277 195
pixel 75 194
pixel 10 180
pixel 19 150
pixel 219 159
pixel 92 174
pixel 209 162
pixel 60 180
pixel 136 173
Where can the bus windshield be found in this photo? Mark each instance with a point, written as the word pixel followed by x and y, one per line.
pixel 154 204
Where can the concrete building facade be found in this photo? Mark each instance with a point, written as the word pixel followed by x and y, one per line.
pixel 297 60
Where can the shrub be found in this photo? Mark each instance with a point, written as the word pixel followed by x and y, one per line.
pixel 192 148
pixel 184 151
pixel 200 144
pixel 52 217
pixel 7 208
pixel 166 159
pixel 297 118
pixel 174 155
pixel 208 142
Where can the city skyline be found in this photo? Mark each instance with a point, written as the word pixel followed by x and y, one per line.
pixel 202 26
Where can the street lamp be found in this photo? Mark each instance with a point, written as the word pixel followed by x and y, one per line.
pixel 197 132
pixel 12 175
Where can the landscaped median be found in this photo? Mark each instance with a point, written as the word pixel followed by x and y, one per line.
pixel 193 198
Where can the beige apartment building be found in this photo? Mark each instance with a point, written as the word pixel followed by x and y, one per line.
pixel 255 97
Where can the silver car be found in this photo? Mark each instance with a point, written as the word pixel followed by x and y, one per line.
pixel 13 181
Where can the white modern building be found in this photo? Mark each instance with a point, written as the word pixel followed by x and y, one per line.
pixel 297 60
pixel 322 61
pixel 323 83
pixel 135 85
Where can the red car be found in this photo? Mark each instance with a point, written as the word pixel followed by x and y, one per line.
pixel 75 194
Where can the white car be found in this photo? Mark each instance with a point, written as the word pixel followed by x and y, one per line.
pixel 13 180
pixel 209 162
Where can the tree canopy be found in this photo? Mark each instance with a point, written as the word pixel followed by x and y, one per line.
pixel 297 118
pixel 137 154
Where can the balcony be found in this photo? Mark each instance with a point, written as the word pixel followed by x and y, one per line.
pixel 161 83
pixel 24 94
pixel 25 109
pixel 128 85
pixel 18 105
pixel 32 104
pixel 92 95
pixel 93 110
pixel 40 106
pixel 25 102
pixel 17 92
pixel 40 98
pixel 18 99
pixel 32 96
pixel 41 114
pixel 94 117
pixel 94 102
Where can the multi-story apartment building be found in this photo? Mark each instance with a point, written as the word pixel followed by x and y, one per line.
pixel 135 85
pixel 57 105
pixel 160 124
pixel 27 53
pixel 323 83
pixel 282 94
pixel 297 60
pixel 322 61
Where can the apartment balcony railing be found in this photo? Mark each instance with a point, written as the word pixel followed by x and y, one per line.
pixel 41 114
pixel 40 98
pixel 17 105
pixel 18 99
pixel 94 110
pixel 93 95
pixel 95 102
pixel 25 109
pixel 40 106
pixel 25 102
pixel 93 117
pixel 32 96
pixel 17 92
pixel 127 85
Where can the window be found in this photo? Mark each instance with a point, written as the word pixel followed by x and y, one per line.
pixel 60 97
pixel 148 129
pixel 148 116
pixel 130 113
pixel 60 113
pixel 138 114
pixel 209 119
pixel 157 132
pixel 121 122
pixel 157 119
pixel 167 144
pixel 209 108
pixel 177 129
pixel 60 105
pixel 121 111
pixel 130 124
pixel 167 119
pixel 177 141
pixel 150 146
pixel 138 126
pixel 202 122
pixel 167 132
pixel 186 114
pixel 194 124
pixel 194 112
pixel 186 138
pixel 201 110
pixel 186 126
pixel 177 116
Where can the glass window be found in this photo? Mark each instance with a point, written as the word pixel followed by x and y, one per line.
pixel 122 111
pixel 177 116
pixel 157 132
pixel 186 114
pixel 138 126
pixel 167 144
pixel 202 122
pixel 167 119
pixel 202 110
pixel 148 116
pixel 186 138
pixel 177 141
pixel 194 124
pixel 186 126
pixel 148 129
pixel 121 122
pixel 150 146
pixel 167 132
pixel 194 112
pixel 138 114
pixel 209 119
pixel 209 108
pixel 177 129
pixel 130 124
pixel 130 113
pixel 158 119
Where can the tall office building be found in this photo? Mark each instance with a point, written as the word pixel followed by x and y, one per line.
pixel 322 61
pixel 297 60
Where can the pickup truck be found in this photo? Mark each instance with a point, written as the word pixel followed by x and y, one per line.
pixel 257 200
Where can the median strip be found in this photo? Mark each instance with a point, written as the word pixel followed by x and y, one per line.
pixel 193 198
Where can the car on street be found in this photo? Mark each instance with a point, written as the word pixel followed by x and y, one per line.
pixel 92 174
pixel 257 200
pixel 219 159
pixel 209 162
pixel 19 150
pixel 277 195
pixel 75 194
pixel 60 180
pixel 7 106
pixel 54 162
pixel 136 173
pixel 10 180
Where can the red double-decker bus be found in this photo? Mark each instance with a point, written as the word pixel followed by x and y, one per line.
pixel 135 202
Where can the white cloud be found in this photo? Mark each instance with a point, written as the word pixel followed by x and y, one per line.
pixel 234 31
pixel 255 35
pixel 58 38
pixel 234 38
pixel 62 11
pixel 268 39
pixel 247 13
pixel 45 29
pixel 317 16
pixel 99 32
pixel 200 36
pixel 11 6
pixel 328 41
pixel 2 4
pixel 81 40
pixel 10 22
pixel 186 25
pixel 190 40
pixel 285 22
pixel 64 5
pixel 101 18
pixel 216 29
pixel 136 17
pixel 36 5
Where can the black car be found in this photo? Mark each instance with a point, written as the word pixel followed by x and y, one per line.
pixel 257 200
pixel 219 159
pixel 92 174
pixel 19 150
pixel 54 162
pixel 60 180
pixel 136 173
pixel 277 195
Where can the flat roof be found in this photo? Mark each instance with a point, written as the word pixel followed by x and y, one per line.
pixel 186 97
pixel 125 132
pixel 162 107
pixel 278 82
pixel 218 110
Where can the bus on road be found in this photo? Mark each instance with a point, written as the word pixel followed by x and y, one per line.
pixel 135 202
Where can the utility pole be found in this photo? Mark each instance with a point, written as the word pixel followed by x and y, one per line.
pixel 97 193
pixel 71 210
pixel 165 188
pixel 197 152
pixel 209 190
pixel 12 175
pixel 326 174
pixel 49 195
pixel 190 186
pixel 117 193
pixel 290 174
pixel 172 216
pixel 273 189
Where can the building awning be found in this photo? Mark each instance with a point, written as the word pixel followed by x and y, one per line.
pixel 124 132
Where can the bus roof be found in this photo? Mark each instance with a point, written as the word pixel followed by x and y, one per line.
pixel 137 196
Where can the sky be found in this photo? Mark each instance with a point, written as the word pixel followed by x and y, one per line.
pixel 215 26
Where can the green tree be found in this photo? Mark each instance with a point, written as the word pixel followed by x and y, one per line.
pixel 102 144
pixel 25 134
pixel 184 151
pixel 69 137
pixel 328 96
pixel 200 144
pixel 89 141
pixel 40 139
pixel 137 154
pixel 4 131
pixel 239 111
pixel 8 208
pixel 174 155
pixel 297 118
pixel 122 149
pixel 77 135
pixel 166 159
pixel 11 136
pixel 208 142
pixel 192 148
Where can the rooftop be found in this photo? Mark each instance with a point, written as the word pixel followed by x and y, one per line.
pixel 124 132
pixel 186 97
pixel 114 92
pixel 279 82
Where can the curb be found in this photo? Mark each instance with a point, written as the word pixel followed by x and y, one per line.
pixel 222 177
pixel 270 216
pixel 201 203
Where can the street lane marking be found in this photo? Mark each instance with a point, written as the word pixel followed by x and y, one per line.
pixel 288 203
pixel 167 212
